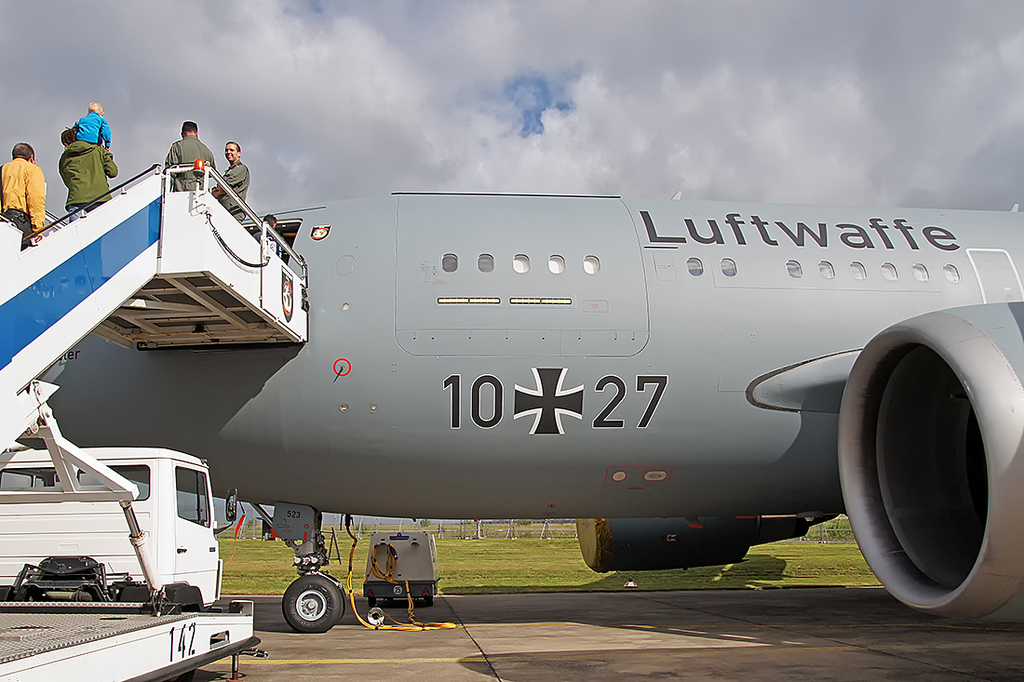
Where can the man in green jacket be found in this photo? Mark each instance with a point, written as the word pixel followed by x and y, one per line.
pixel 185 152
pixel 237 177
pixel 85 167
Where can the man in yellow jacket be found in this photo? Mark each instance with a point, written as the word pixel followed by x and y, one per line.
pixel 24 190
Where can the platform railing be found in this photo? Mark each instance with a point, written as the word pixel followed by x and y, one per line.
pixel 258 222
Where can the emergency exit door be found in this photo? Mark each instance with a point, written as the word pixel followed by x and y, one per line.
pixel 997 275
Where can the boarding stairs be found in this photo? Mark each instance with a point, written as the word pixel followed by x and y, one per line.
pixel 149 268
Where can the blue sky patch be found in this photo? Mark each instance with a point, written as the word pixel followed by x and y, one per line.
pixel 532 95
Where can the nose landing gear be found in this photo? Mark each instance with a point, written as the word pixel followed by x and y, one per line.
pixel 314 602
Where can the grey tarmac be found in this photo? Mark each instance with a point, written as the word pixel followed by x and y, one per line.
pixel 793 634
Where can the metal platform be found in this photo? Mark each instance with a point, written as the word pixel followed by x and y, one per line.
pixel 78 640
pixel 28 634
pixel 187 311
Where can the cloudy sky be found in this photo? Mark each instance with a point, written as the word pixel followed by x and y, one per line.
pixel 870 102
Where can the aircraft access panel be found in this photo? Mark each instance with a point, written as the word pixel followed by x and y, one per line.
pixel 519 275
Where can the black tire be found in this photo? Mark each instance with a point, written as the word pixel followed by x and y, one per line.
pixel 428 600
pixel 313 603
pixel 371 602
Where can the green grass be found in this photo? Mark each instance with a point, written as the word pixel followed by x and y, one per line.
pixel 256 567
pixel 496 566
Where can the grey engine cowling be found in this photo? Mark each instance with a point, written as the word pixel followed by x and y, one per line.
pixel 930 441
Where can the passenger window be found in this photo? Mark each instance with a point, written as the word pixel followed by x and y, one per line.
pixel 521 263
pixel 193 503
pixel 952 274
pixel 485 262
pixel 858 271
pixel 449 262
pixel 728 267
pixel 556 265
pixel 136 473
pixel 826 270
pixel 694 267
pixel 889 272
pixel 795 270
pixel 920 272
pixel 591 265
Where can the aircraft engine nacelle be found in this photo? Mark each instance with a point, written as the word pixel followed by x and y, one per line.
pixel 930 455
pixel 653 544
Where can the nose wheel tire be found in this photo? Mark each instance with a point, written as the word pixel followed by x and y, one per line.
pixel 313 603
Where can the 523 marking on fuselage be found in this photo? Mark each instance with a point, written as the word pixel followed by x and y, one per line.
pixel 548 401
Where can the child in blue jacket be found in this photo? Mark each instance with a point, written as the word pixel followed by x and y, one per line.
pixel 93 127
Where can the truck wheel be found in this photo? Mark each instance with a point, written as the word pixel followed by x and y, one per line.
pixel 371 602
pixel 313 603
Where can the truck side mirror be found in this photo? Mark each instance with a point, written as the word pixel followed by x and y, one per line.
pixel 231 505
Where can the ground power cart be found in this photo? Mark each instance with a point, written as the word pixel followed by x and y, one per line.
pixel 399 564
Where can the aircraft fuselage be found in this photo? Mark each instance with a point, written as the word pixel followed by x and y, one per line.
pixel 513 356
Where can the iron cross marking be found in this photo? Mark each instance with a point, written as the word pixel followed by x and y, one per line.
pixel 548 402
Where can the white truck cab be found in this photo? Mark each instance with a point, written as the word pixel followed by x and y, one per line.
pixel 174 506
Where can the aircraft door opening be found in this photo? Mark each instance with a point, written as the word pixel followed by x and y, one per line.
pixel 997 275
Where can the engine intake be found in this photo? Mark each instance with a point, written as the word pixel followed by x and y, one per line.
pixel 930 436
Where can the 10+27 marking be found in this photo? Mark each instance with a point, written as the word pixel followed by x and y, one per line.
pixel 549 401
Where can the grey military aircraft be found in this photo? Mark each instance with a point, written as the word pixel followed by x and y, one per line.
pixel 687 378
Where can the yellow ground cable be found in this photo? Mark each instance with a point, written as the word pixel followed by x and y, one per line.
pixel 415 626
pixel 388 574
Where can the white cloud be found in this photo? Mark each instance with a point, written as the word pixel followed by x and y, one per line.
pixel 795 101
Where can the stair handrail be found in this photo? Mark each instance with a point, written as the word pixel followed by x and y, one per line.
pixel 122 188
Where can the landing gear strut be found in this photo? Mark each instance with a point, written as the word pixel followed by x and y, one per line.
pixel 314 602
